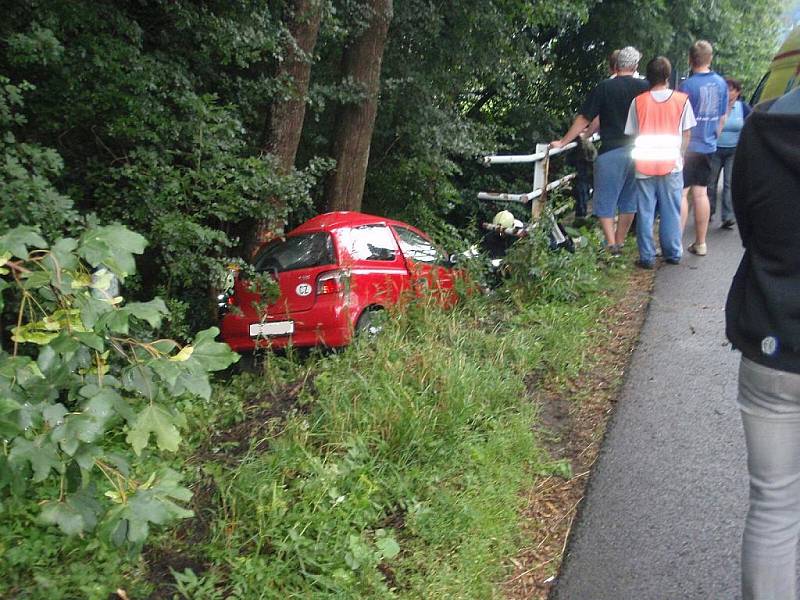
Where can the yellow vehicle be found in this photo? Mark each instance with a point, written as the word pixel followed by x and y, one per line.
pixel 784 71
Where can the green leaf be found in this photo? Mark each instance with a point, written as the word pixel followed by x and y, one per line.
pixel 3 285
pixel 210 354
pixel 165 346
pixel 18 240
pixel 75 515
pixel 95 342
pixel 149 504
pixel 68 519
pixel 54 414
pixel 388 546
pixel 42 457
pixel 91 308
pixel 89 425
pixel 154 419
pixel 148 311
pixel 115 321
pixel 197 385
pixel 139 378
pixel 62 255
pixel 112 246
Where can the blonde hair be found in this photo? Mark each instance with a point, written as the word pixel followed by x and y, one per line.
pixel 701 53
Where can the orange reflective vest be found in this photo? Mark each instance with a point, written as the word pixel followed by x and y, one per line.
pixel 658 145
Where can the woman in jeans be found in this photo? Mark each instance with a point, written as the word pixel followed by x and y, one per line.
pixel 763 322
pixel 726 148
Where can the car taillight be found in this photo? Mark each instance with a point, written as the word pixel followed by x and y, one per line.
pixel 331 282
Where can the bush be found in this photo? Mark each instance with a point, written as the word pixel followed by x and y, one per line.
pixel 87 395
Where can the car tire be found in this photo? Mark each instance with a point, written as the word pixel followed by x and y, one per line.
pixel 370 323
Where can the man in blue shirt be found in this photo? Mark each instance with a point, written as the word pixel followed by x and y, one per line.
pixel 708 94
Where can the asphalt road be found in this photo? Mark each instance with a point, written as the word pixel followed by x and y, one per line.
pixel 665 505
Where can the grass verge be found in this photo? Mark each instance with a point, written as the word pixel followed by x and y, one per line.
pixel 394 469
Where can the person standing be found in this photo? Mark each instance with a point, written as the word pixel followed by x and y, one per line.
pixel 708 94
pixel 613 168
pixel 722 160
pixel 661 119
pixel 762 315
pixel 612 63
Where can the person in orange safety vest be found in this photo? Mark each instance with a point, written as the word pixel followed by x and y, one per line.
pixel 661 120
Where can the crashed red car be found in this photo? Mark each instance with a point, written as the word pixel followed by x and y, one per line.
pixel 335 273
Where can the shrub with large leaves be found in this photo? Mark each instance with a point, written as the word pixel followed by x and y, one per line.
pixel 87 399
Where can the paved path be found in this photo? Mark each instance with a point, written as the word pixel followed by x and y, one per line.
pixel 665 505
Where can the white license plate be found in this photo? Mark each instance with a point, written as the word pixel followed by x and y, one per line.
pixel 269 329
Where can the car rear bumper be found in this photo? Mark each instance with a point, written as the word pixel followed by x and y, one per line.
pixel 327 324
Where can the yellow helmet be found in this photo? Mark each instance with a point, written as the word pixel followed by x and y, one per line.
pixel 504 218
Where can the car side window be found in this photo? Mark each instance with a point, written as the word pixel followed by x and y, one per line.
pixel 372 242
pixel 417 248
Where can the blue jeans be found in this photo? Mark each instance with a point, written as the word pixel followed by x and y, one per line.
pixel 770 405
pixel 660 195
pixel 614 189
pixel 722 160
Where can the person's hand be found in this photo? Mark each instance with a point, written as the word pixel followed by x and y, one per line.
pixel 557 144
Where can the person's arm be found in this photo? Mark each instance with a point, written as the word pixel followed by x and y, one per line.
pixel 739 183
pixel 685 137
pixel 593 128
pixel 688 122
pixel 579 124
pixel 632 122
pixel 726 107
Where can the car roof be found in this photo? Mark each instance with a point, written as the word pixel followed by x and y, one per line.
pixel 336 220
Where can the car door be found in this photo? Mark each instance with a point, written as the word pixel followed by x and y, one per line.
pixel 427 264
pixel 378 273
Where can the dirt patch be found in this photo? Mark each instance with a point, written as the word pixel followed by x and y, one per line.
pixel 574 417
pixel 161 563
pixel 265 414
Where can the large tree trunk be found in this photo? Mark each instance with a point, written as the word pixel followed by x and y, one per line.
pixel 355 122
pixel 284 123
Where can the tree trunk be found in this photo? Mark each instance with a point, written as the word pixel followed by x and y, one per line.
pixel 284 123
pixel 355 122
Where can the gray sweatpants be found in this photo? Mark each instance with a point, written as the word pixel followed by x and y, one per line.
pixel 770 404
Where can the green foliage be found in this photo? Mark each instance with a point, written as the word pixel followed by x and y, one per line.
pixel 27 194
pixel 80 391
pixel 553 276
pixel 158 113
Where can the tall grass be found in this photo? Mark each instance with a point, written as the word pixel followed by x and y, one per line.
pixel 405 478
pixel 399 475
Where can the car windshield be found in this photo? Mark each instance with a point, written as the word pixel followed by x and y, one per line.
pixel 296 252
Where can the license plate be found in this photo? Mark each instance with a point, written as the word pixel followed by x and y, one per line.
pixel 270 329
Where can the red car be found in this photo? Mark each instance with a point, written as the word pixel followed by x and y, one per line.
pixel 335 272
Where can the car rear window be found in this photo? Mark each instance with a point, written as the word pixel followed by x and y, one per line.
pixel 296 252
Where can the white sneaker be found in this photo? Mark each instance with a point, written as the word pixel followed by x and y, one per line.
pixel 698 249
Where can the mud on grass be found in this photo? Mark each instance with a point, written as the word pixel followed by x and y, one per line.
pixel 572 419
pixel 263 417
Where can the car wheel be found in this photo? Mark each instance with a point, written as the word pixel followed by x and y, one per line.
pixel 370 323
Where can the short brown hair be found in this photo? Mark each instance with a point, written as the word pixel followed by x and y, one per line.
pixel 734 83
pixel 612 60
pixel 700 53
pixel 658 70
